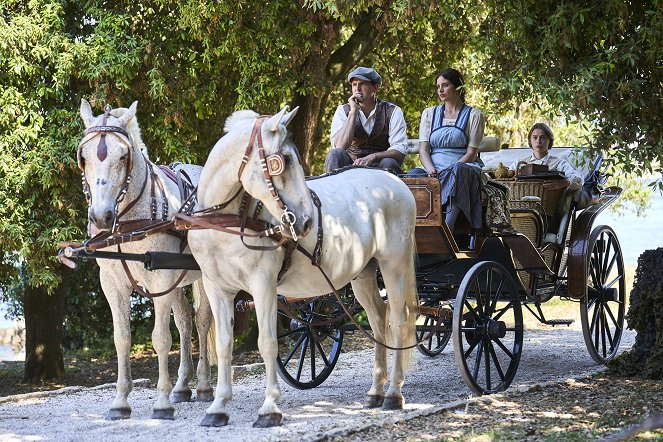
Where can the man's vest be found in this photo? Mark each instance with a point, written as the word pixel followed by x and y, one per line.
pixel 378 140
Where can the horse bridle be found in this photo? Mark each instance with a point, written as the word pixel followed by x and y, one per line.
pixel 102 153
pixel 272 165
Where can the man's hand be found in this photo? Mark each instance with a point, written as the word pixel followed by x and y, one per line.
pixel 353 101
pixel 368 160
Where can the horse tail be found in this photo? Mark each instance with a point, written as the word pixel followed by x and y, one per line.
pixel 200 301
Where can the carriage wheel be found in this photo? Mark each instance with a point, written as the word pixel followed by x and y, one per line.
pixel 308 352
pixel 435 342
pixel 488 328
pixel 602 309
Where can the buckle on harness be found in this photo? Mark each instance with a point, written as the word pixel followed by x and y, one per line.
pixel 289 219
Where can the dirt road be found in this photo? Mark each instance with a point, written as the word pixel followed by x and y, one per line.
pixel 548 355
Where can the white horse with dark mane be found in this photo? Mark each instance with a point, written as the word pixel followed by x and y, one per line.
pixel 367 219
pixel 125 189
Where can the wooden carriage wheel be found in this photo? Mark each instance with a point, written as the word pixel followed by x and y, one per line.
pixel 487 328
pixel 310 347
pixel 602 308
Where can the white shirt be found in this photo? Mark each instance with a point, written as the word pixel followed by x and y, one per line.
pixel 397 133
pixel 553 163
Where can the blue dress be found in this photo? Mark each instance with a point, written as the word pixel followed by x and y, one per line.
pixel 460 182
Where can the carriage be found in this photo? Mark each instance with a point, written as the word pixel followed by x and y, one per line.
pixel 471 295
pixel 476 296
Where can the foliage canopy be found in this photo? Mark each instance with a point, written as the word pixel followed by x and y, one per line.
pixel 595 65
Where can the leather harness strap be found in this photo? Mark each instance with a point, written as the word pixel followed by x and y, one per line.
pixel 143 292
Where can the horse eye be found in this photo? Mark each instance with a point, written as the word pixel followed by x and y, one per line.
pixel 287 159
pixel 123 157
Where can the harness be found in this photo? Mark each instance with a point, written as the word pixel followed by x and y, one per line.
pixel 184 219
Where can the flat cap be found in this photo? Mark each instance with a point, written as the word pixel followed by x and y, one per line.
pixel 366 74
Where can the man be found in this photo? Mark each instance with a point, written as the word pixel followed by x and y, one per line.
pixel 367 131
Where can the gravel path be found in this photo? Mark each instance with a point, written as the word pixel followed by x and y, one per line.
pixel 74 414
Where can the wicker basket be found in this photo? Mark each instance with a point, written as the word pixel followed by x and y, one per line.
pixel 549 190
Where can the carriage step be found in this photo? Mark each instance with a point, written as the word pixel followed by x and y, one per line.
pixel 555 322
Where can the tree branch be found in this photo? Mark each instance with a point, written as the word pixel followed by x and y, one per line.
pixel 360 43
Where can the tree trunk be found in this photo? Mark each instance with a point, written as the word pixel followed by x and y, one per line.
pixel 324 68
pixel 44 315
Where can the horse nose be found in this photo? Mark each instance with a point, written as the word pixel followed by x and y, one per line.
pixel 103 222
pixel 306 225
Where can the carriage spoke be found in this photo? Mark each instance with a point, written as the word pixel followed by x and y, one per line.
pixel 294 349
pixel 468 352
pixel 596 328
pixel 496 362
pixel 606 257
pixel 611 283
pixel 477 360
pixel 312 343
pixel 503 310
pixel 479 307
pixel 608 332
pixel 496 297
pixel 489 284
pixel 302 355
pixel 612 316
pixel 290 332
pixel 503 347
pixel 322 353
pixel 471 310
pixel 608 270
pixel 486 349
pixel 592 271
pixel 604 332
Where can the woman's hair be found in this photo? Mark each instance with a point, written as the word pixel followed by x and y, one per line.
pixel 456 79
pixel 544 127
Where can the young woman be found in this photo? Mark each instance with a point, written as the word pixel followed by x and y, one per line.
pixel 449 138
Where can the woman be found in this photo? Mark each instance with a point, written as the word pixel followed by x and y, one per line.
pixel 449 138
pixel 540 139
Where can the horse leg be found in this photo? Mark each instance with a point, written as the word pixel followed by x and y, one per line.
pixel 221 303
pixel 162 342
pixel 182 314
pixel 118 300
pixel 366 291
pixel 204 391
pixel 400 282
pixel 269 414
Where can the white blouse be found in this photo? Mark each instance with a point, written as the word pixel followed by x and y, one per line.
pixel 474 130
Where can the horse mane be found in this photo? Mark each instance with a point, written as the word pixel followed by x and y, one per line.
pixel 132 128
pixel 238 118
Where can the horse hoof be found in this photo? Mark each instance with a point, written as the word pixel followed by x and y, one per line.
pixel 373 401
pixel 268 420
pixel 215 420
pixel 164 414
pixel 181 396
pixel 116 414
pixel 393 403
pixel 204 395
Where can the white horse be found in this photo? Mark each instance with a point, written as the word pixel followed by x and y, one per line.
pixel 368 218
pixel 111 152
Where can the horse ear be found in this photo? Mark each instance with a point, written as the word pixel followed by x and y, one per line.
pixel 86 113
pixel 289 116
pixel 129 114
pixel 272 124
